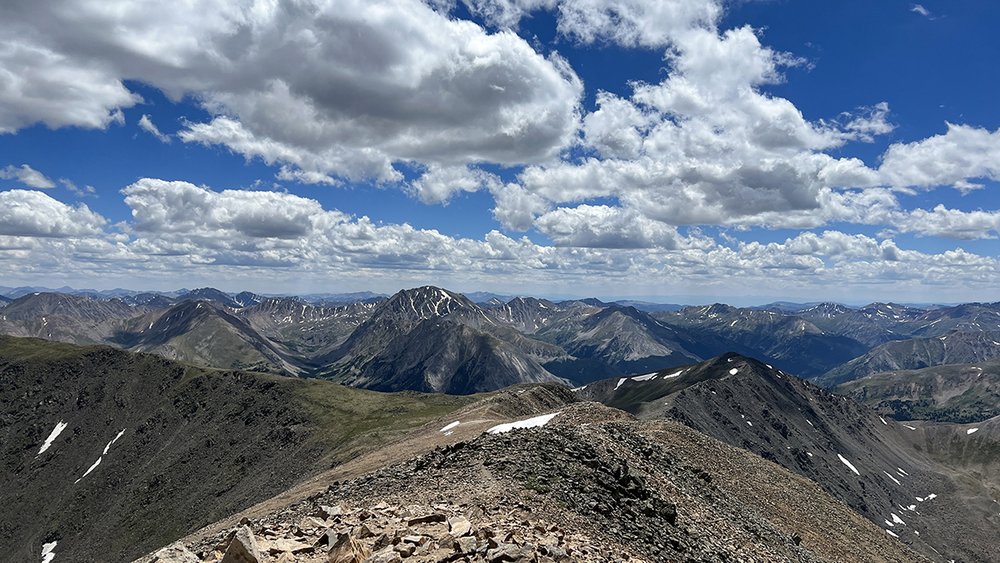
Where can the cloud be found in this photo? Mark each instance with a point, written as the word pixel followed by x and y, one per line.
pixel 197 212
pixel 27 176
pixel 147 125
pixel 630 23
pixel 438 184
pixel 956 158
pixel 920 9
pixel 85 191
pixel 602 226
pixel 336 89
pixel 44 84
pixel 278 240
pixel 29 213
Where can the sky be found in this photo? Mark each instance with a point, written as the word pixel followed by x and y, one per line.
pixel 675 150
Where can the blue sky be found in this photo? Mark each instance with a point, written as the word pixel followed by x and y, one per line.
pixel 680 150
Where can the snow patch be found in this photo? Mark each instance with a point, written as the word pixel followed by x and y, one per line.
pixel 900 469
pixel 972 430
pixel 534 422
pixel 449 426
pixel 910 427
pixel 734 371
pixel 48 553
pixel 848 464
pixel 891 534
pixel 894 480
pixel 620 381
pixel 897 519
pixel 101 457
pixel 883 421
pixel 92 467
pixel 578 388
pixel 108 447
pixel 645 377
pixel 675 374
pixel 60 426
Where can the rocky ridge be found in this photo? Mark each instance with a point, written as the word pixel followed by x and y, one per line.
pixel 592 485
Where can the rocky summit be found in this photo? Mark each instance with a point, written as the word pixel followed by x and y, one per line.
pixel 592 484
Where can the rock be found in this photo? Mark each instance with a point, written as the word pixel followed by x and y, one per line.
pixel 466 544
pixel 328 512
pixel 414 539
pixel 428 519
pixel 507 552
pixel 405 549
pixel 669 512
pixel 311 523
pixel 288 546
pixel 175 553
pixel 459 526
pixel 242 548
pixel 387 555
pixel 363 531
pixel 346 549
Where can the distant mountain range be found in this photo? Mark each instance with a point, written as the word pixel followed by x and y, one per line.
pixel 433 339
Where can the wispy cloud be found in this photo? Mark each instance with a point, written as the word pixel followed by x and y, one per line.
pixel 920 9
pixel 27 176
pixel 147 125
pixel 85 191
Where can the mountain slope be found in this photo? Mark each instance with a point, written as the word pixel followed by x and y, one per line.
pixel 616 340
pixel 786 340
pixel 872 464
pixel 206 334
pixel 871 325
pixel 968 317
pixel 916 353
pixel 304 329
pixel 65 318
pixel 441 355
pixel 179 447
pixel 954 393
pixel 430 338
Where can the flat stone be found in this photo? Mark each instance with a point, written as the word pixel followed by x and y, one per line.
pixel 288 546
pixel 459 526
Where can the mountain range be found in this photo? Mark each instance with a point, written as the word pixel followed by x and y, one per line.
pixel 432 339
